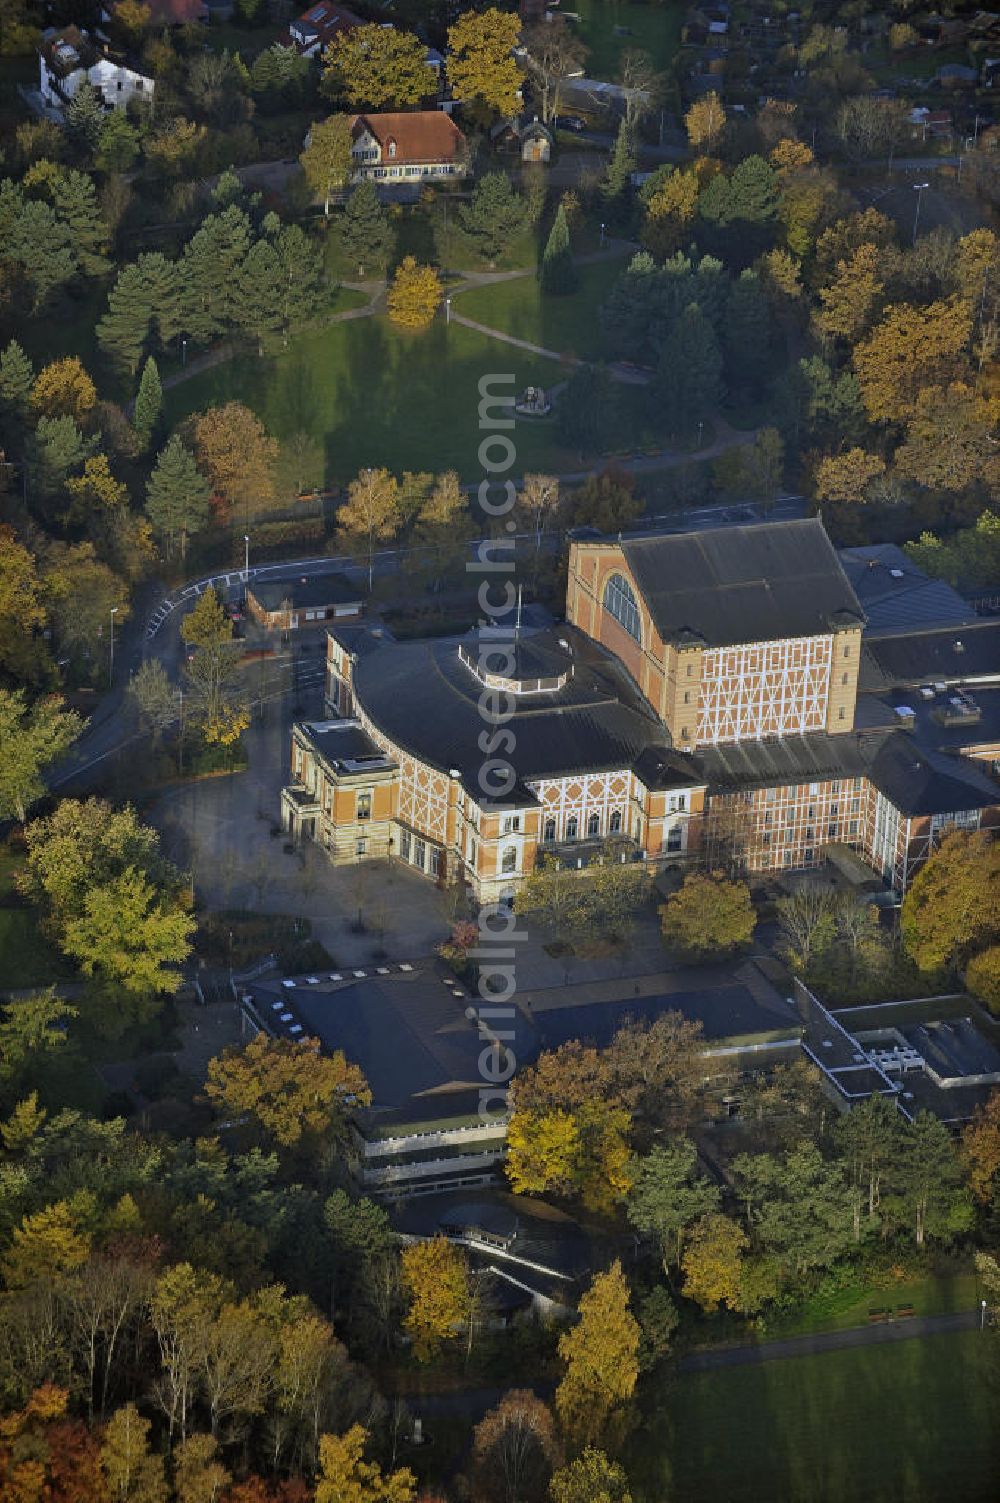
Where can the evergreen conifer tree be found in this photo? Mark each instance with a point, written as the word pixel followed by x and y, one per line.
pixel 261 304
pixel 148 402
pixel 365 231
pixel 123 330
pixel 689 381
pixel 75 200
pixel 616 189
pixel 16 377
pixel 747 332
pixel 558 272
pixel 176 496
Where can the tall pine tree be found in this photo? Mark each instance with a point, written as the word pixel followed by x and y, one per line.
pixel 210 273
pixel 747 333
pixel 124 329
pixel 148 402
pixel 16 377
pixel 616 190
pixel 558 272
pixel 261 304
pixel 688 383
pixel 365 231
pixel 75 200
pixel 176 496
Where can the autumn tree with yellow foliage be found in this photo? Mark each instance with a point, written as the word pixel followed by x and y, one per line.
pixel 712 1262
pixel 481 64
pixel 913 348
pixel 345 1476
pixel 704 122
pixel 847 476
pixel 601 1356
pixel 63 389
pixel 436 1279
pixel 288 1090
pixel 415 295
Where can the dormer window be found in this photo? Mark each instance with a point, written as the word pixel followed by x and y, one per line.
pixel 391 147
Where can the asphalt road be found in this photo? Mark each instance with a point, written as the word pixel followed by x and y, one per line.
pixel 154 630
pixel 829 1341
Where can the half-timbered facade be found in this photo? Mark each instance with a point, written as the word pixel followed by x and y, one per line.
pixel 709 694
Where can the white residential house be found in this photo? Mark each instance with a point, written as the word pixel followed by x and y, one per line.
pixel 69 58
pixel 400 146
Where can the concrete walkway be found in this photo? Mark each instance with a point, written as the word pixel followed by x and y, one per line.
pixel 750 1354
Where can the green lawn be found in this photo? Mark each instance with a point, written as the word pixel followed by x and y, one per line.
pixel 651 28
pixel 570 324
pixel 907 1423
pixel 375 395
pixel 849 1307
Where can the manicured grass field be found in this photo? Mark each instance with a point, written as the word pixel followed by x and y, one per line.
pixel 907 1423
pixel 849 1307
pixel 375 395
pixel 568 324
pixel 655 29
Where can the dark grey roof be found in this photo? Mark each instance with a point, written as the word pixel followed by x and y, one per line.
pixel 897 596
pixel 916 778
pixel 426 699
pixel 918 781
pixel 344 743
pixel 784 759
pixel 307 592
pixel 407 1030
pixel 951 655
pixel 729 585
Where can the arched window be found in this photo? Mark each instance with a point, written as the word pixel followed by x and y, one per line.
pixel 572 825
pixel 620 600
pixel 594 825
pixel 508 861
pixel 616 821
pixel 392 147
pixel 550 830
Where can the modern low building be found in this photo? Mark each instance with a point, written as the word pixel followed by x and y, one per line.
pixel 408 1029
pixel 398 147
pixel 425 1046
pixel 288 604
pixel 717 690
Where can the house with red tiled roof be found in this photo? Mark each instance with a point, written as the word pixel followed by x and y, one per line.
pixel 316 28
pixel 406 147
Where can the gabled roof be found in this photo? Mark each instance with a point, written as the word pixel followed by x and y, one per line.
pixel 423 136
pixel 730 585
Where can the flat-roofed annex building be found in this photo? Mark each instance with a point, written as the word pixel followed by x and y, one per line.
pixel 713 690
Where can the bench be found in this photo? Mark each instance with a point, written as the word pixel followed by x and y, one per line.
pixel 905 1312
pixel 874 1316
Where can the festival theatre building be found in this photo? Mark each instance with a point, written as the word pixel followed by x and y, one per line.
pixel 743 693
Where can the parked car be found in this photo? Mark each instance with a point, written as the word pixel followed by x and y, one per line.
pixel 570 122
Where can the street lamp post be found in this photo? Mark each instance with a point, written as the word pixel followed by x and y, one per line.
pixel 246 558
pixel 447 310
pixel 184 352
pixel 111 662
pixel 919 190
pixel 602 233
pixel 982 1315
